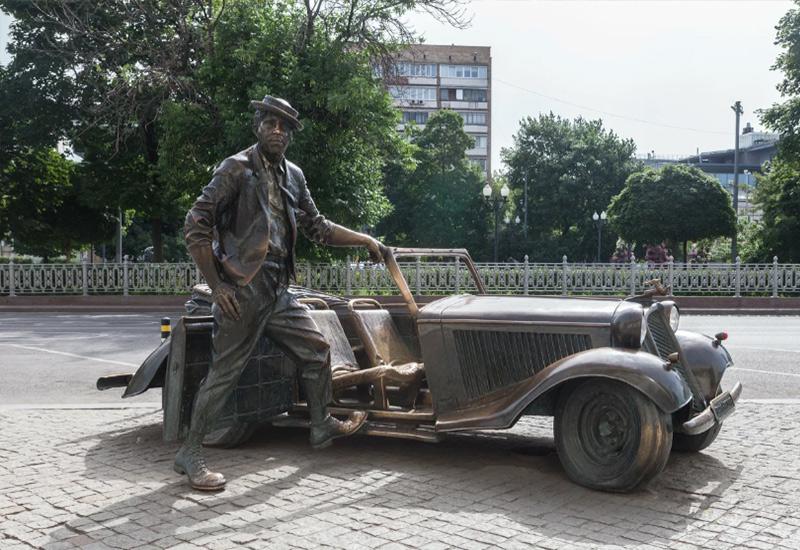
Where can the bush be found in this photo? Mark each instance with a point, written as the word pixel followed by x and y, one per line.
pixel 17 260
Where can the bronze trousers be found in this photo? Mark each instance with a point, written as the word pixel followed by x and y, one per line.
pixel 267 307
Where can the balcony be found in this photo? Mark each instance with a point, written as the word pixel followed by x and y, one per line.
pixel 415 103
pixel 464 82
pixel 421 80
pixel 474 129
pixel 402 126
pixel 465 105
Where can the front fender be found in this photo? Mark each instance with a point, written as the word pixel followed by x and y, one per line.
pixel 641 370
pixel 706 361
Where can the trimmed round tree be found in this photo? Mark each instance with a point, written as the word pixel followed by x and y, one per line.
pixel 677 203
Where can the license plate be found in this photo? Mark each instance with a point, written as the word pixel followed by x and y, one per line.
pixel 722 406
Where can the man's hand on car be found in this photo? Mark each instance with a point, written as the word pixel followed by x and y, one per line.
pixel 224 295
pixel 376 250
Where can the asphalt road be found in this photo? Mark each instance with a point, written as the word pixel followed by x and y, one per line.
pixel 56 358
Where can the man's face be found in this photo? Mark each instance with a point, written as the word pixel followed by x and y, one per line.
pixel 274 135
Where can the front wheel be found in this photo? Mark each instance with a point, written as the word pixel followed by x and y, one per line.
pixel 685 443
pixel 609 436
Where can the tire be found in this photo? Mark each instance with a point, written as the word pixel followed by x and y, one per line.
pixel 685 443
pixel 232 436
pixel 611 437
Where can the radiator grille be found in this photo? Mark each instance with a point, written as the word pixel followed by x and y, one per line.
pixel 491 360
pixel 664 341
pixel 662 338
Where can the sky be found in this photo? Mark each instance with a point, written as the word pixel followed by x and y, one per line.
pixel 668 70
pixel 664 73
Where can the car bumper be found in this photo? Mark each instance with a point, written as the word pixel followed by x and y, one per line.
pixel 718 410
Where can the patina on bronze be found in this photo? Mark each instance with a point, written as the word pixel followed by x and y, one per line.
pixel 624 385
pixel 241 232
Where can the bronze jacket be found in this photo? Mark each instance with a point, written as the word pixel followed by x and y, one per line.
pixel 232 215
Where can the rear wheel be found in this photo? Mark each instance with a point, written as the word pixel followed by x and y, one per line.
pixel 609 436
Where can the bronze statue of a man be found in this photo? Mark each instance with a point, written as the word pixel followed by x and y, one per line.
pixel 241 232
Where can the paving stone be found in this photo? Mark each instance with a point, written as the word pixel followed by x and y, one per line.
pixel 103 480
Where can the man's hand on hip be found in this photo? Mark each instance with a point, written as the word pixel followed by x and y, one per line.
pixel 224 295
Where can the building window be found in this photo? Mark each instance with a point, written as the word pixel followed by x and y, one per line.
pixel 463 71
pixel 480 163
pixel 481 141
pixel 406 68
pixel 413 93
pixel 420 117
pixel 474 95
pixel 474 119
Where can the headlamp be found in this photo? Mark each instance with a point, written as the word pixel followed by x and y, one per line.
pixel 673 314
pixel 628 326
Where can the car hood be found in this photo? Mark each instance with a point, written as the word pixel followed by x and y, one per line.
pixel 550 310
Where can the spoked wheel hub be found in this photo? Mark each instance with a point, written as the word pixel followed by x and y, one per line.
pixel 605 429
pixel 610 436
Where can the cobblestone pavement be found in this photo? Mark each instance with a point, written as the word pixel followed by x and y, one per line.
pixel 103 478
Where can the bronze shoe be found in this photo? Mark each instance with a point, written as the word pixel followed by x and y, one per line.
pixel 323 434
pixel 190 461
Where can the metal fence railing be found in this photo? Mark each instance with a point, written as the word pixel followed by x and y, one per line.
pixel 347 278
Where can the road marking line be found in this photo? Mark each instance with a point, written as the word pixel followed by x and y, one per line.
pixel 49 339
pixel 78 406
pixel 110 361
pixel 787 401
pixel 796 375
pixel 735 346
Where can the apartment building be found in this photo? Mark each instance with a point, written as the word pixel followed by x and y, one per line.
pixel 428 77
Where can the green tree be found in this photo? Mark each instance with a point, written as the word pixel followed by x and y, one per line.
pixel 349 132
pixel 778 190
pixel 438 203
pixel 41 207
pixel 90 89
pixel 677 203
pixel 785 117
pixel 571 169
pixel 778 196
pixel 153 109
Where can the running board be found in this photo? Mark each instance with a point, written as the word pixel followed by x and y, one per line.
pixel 409 417
pixel 377 428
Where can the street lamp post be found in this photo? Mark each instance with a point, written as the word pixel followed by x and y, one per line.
pixel 120 221
pixel 496 203
pixel 525 211
pixel 599 220
pixel 737 108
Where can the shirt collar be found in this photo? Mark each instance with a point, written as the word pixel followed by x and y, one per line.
pixel 280 166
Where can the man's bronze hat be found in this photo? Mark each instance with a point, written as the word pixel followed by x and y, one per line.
pixel 280 107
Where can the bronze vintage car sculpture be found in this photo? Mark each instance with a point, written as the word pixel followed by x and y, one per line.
pixel 623 384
